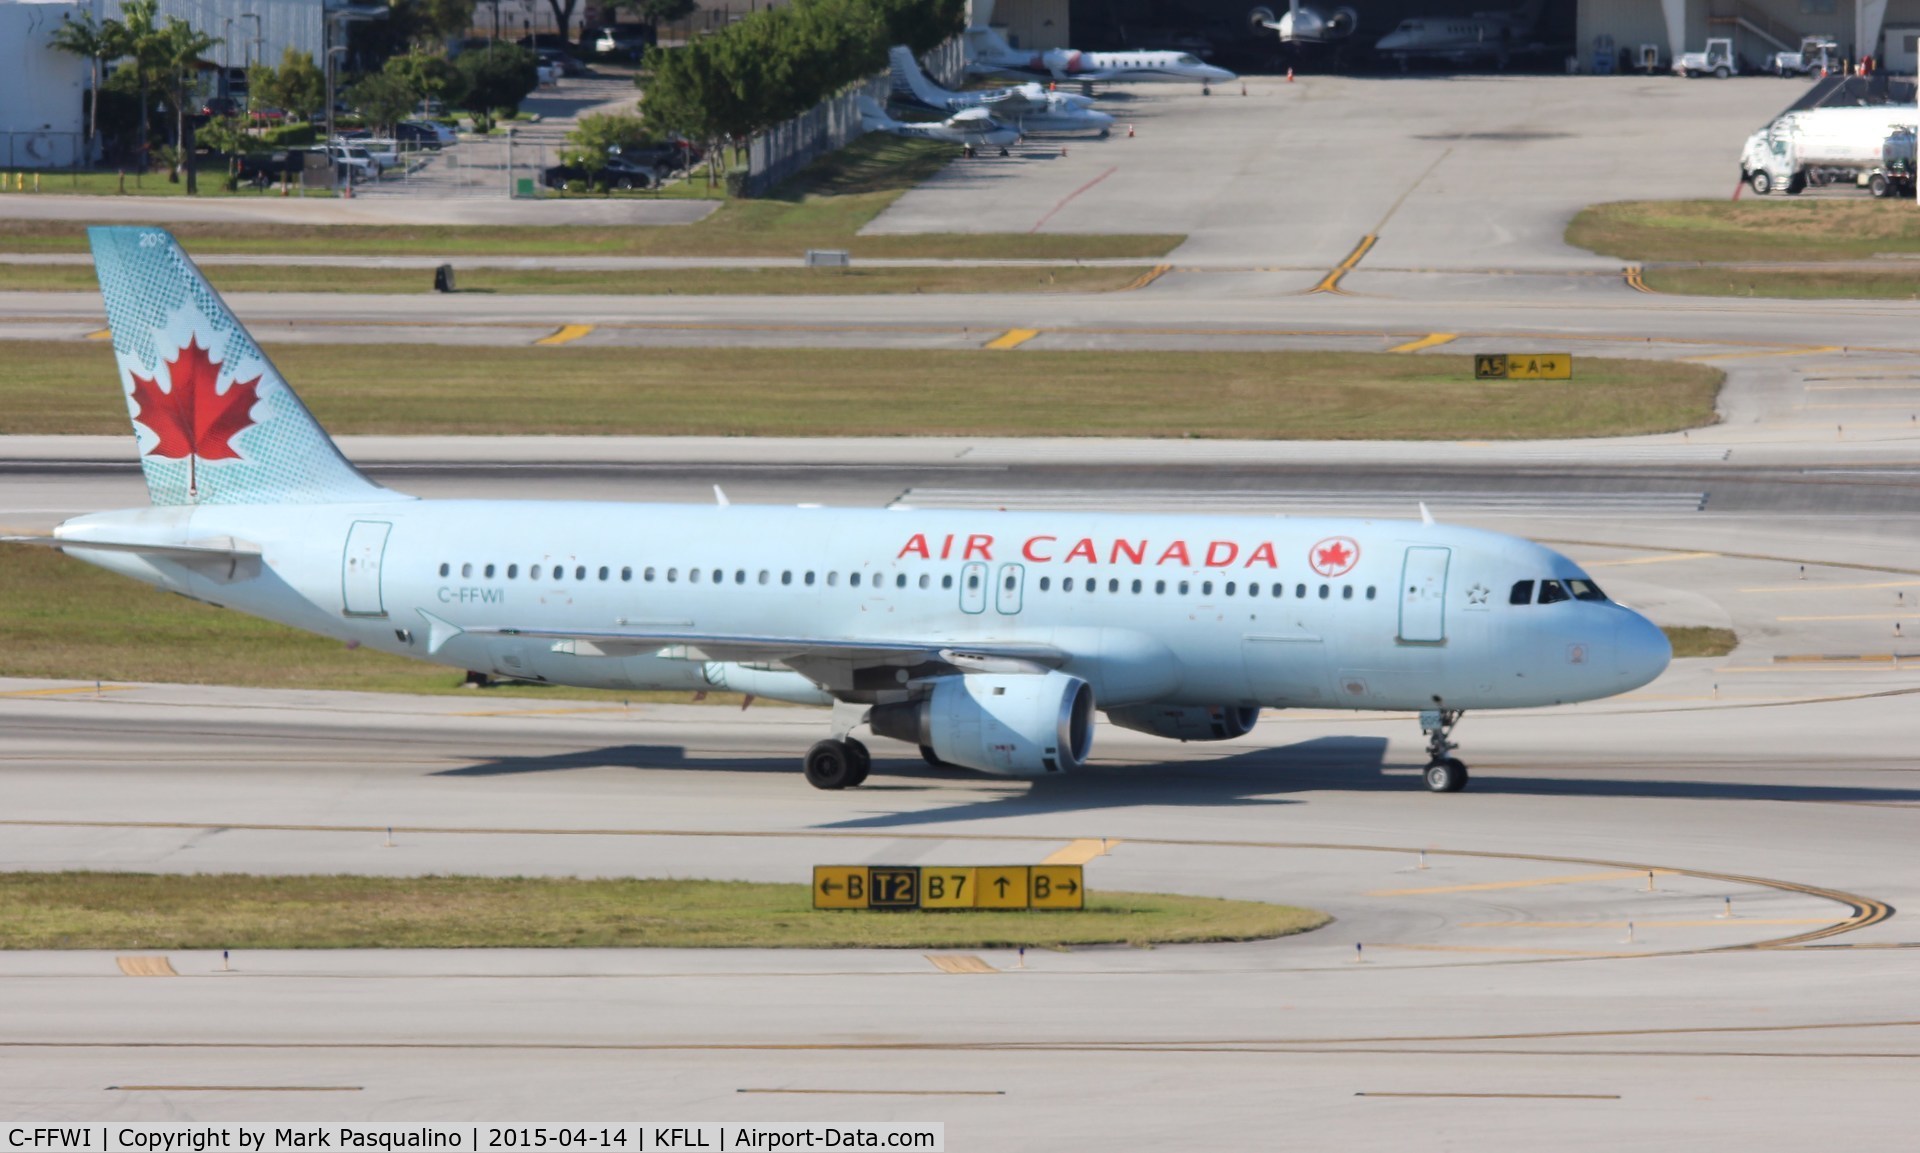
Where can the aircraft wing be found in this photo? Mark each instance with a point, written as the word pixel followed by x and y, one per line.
pixel 222 559
pixel 1022 100
pixel 790 651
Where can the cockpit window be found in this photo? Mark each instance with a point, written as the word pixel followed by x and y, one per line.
pixel 1585 590
pixel 1189 58
pixel 1522 593
pixel 1551 592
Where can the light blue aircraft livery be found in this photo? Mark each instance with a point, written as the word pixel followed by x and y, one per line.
pixel 988 639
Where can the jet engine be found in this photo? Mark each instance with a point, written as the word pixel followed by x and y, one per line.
pixel 1009 724
pixel 1188 722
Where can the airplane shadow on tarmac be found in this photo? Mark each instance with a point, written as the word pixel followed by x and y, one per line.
pixel 1254 777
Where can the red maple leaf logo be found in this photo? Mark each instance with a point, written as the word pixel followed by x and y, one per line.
pixel 193 419
pixel 1333 557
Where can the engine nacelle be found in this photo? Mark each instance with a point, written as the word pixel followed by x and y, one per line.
pixel 1009 724
pixel 1188 722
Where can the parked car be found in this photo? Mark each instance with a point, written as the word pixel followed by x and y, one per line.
pixel 619 173
pixel 418 134
pixel 626 41
pixel 220 106
pixel 352 159
pixel 668 156
pixel 263 168
pixel 561 62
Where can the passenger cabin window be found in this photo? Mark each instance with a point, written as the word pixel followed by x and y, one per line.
pixel 579 572
pixel 946 582
pixel 1046 583
pixel 603 572
pixel 513 570
pixel 445 568
pixel 646 575
pixel 1066 584
pixel 466 570
pixel 1522 593
pixel 853 579
pixel 1551 592
pixel 533 573
pixel 673 574
pixel 626 573
pixel 693 576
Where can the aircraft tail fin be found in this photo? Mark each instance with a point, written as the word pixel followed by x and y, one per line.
pixel 214 420
pixel 910 84
pixel 873 118
pixel 984 44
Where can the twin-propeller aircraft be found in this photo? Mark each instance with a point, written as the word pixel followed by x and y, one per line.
pixel 988 639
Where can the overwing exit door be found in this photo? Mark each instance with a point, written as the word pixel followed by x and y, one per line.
pixel 1423 595
pixel 1008 588
pixel 360 568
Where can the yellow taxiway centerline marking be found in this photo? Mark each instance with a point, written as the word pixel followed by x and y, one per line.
pixel 1430 340
pixel 1806 588
pixel 101 334
pixel 1662 559
pixel 1079 851
pixel 1331 281
pixel 1012 338
pixel 959 963
pixel 566 334
pixel 1485 886
pixel 1633 276
pixel 1148 277
pixel 67 691
pixel 145 966
pixel 1624 922
pixel 1807 351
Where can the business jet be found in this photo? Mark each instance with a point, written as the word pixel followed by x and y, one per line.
pixel 1029 107
pixel 988 639
pixel 972 128
pixel 1483 36
pixel 1303 25
pixel 988 54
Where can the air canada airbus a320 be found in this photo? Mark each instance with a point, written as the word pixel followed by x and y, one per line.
pixel 988 639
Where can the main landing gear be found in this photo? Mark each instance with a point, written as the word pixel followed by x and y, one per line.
pixel 838 764
pixel 1444 773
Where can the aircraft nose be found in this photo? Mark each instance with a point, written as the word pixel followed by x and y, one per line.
pixel 1641 649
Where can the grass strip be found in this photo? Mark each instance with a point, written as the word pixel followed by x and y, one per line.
pixel 1699 641
pixel 87 910
pixel 1775 229
pixel 1791 284
pixel 650 282
pixel 68 620
pixel 823 207
pixel 67 387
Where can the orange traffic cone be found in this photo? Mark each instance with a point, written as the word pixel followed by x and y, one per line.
pixel 1063 150
pixel 1129 132
pixel 1243 88
pixel 1289 75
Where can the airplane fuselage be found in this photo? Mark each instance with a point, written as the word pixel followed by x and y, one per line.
pixel 1154 609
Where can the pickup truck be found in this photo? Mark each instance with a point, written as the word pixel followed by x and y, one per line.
pixel 354 160
pixel 1717 60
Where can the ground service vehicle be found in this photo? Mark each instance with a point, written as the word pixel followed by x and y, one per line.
pixel 1816 54
pixel 1718 60
pixel 1820 145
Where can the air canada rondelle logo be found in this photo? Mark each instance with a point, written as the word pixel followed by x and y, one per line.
pixel 1334 556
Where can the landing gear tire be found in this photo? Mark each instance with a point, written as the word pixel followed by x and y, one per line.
pixel 1205 91
pixel 1761 183
pixel 862 761
pixel 1004 152
pixel 830 765
pixel 1447 775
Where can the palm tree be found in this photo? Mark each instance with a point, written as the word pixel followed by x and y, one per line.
pixel 179 49
pixel 140 40
pixel 98 42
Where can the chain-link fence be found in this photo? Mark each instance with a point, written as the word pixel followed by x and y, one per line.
pixel 787 147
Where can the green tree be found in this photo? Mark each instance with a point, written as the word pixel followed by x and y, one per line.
pixel 598 134
pixel 297 86
pixel 179 50
pixel 658 12
pixel 99 42
pixel 382 98
pixel 499 77
pixel 428 75
pixel 142 45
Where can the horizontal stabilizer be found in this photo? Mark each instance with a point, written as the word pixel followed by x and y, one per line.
pixel 222 559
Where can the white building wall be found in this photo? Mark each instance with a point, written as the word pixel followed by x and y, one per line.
pixel 42 90
pixel 282 24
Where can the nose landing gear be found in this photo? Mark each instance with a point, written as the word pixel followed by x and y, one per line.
pixel 1444 773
